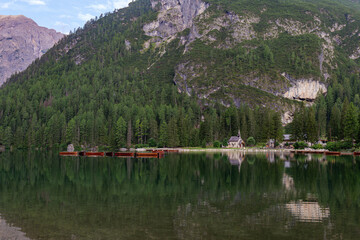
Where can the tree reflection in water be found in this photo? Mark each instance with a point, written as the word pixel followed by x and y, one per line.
pixel 189 196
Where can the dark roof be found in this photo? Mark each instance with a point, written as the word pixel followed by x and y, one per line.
pixel 234 139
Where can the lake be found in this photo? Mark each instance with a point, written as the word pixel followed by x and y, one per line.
pixel 181 196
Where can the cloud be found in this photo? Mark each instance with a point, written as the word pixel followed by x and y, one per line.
pixel 62 27
pixel 120 3
pixel 6 5
pixel 85 17
pixel 65 16
pixel 35 2
pixel 109 5
pixel 61 24
pixel 98 7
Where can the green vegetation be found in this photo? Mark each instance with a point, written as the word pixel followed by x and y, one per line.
pixel 250 142
pixel 300 145
pixel 98 86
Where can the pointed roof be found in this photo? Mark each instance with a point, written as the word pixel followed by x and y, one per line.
pixel 235 139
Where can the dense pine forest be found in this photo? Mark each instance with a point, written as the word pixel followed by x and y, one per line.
pixel 98 87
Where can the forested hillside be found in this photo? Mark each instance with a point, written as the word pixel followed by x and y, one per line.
pixel 123 80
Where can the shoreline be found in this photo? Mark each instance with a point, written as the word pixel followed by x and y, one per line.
pixel 250 150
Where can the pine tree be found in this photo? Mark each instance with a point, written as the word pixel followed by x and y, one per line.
pixel 8 137
pixel 163 138
pixel 120 132
pixel 322 117
pixel 311 128
pixel 129 134
pixel 70 131
pixel 351 123
pixel 172 133
pixel 334 123
pixel 344 109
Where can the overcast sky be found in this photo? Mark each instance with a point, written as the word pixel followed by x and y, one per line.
pixel 61 15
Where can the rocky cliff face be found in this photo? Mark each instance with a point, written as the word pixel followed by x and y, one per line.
pixel 205 23
pixel 21 42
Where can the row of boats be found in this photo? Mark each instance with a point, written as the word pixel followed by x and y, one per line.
pixel 329 153
pixel 149 154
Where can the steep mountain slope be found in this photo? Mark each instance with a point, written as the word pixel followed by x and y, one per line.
pixel 286 48
pixel 21 42
pixel 120 75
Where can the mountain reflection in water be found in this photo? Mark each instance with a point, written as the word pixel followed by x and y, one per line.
pixel 8 232
pixel 229 195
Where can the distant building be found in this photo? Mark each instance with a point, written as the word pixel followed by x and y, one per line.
pixel 236 142
pixel 287 140
pixel 287 137
pixel 271 143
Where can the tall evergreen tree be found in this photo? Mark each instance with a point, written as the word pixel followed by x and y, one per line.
pixel 351 123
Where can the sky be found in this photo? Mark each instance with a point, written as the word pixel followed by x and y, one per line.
pixel 61 15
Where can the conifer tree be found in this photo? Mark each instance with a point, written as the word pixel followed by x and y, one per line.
pixel 311 128
pixel 334 124
pixel 351 123
pixel 120 132
pixel 163 138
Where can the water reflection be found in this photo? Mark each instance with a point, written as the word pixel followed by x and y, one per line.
pixel 236 158
pixel 10 232
pixel 190 196
pixel 308 211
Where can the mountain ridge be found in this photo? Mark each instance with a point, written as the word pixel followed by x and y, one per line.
pixel 21 42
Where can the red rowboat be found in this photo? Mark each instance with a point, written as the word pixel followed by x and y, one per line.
pixel 69 153
pixel 94 154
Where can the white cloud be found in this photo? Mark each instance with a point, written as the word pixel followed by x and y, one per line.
pixel 6 5
pixel 109 5
pixel 62 27
pixel 35 2
pixel 61 24
pixel 85 17
pixel 98 7
pixel 120 3
pixel 65 16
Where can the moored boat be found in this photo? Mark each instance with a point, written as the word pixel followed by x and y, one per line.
pixel 356 153
pixel 161 153
pixel 94 154
pixel 69 153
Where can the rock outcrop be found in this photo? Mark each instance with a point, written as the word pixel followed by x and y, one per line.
pixel 21 42
pixel 304 89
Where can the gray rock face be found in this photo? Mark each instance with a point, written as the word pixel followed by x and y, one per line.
pixel 21 42
pixel 174 16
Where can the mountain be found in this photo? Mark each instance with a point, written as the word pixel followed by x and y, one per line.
pixel 21 42
pixel 188 72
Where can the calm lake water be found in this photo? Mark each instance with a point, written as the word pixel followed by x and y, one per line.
pixel 181 196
